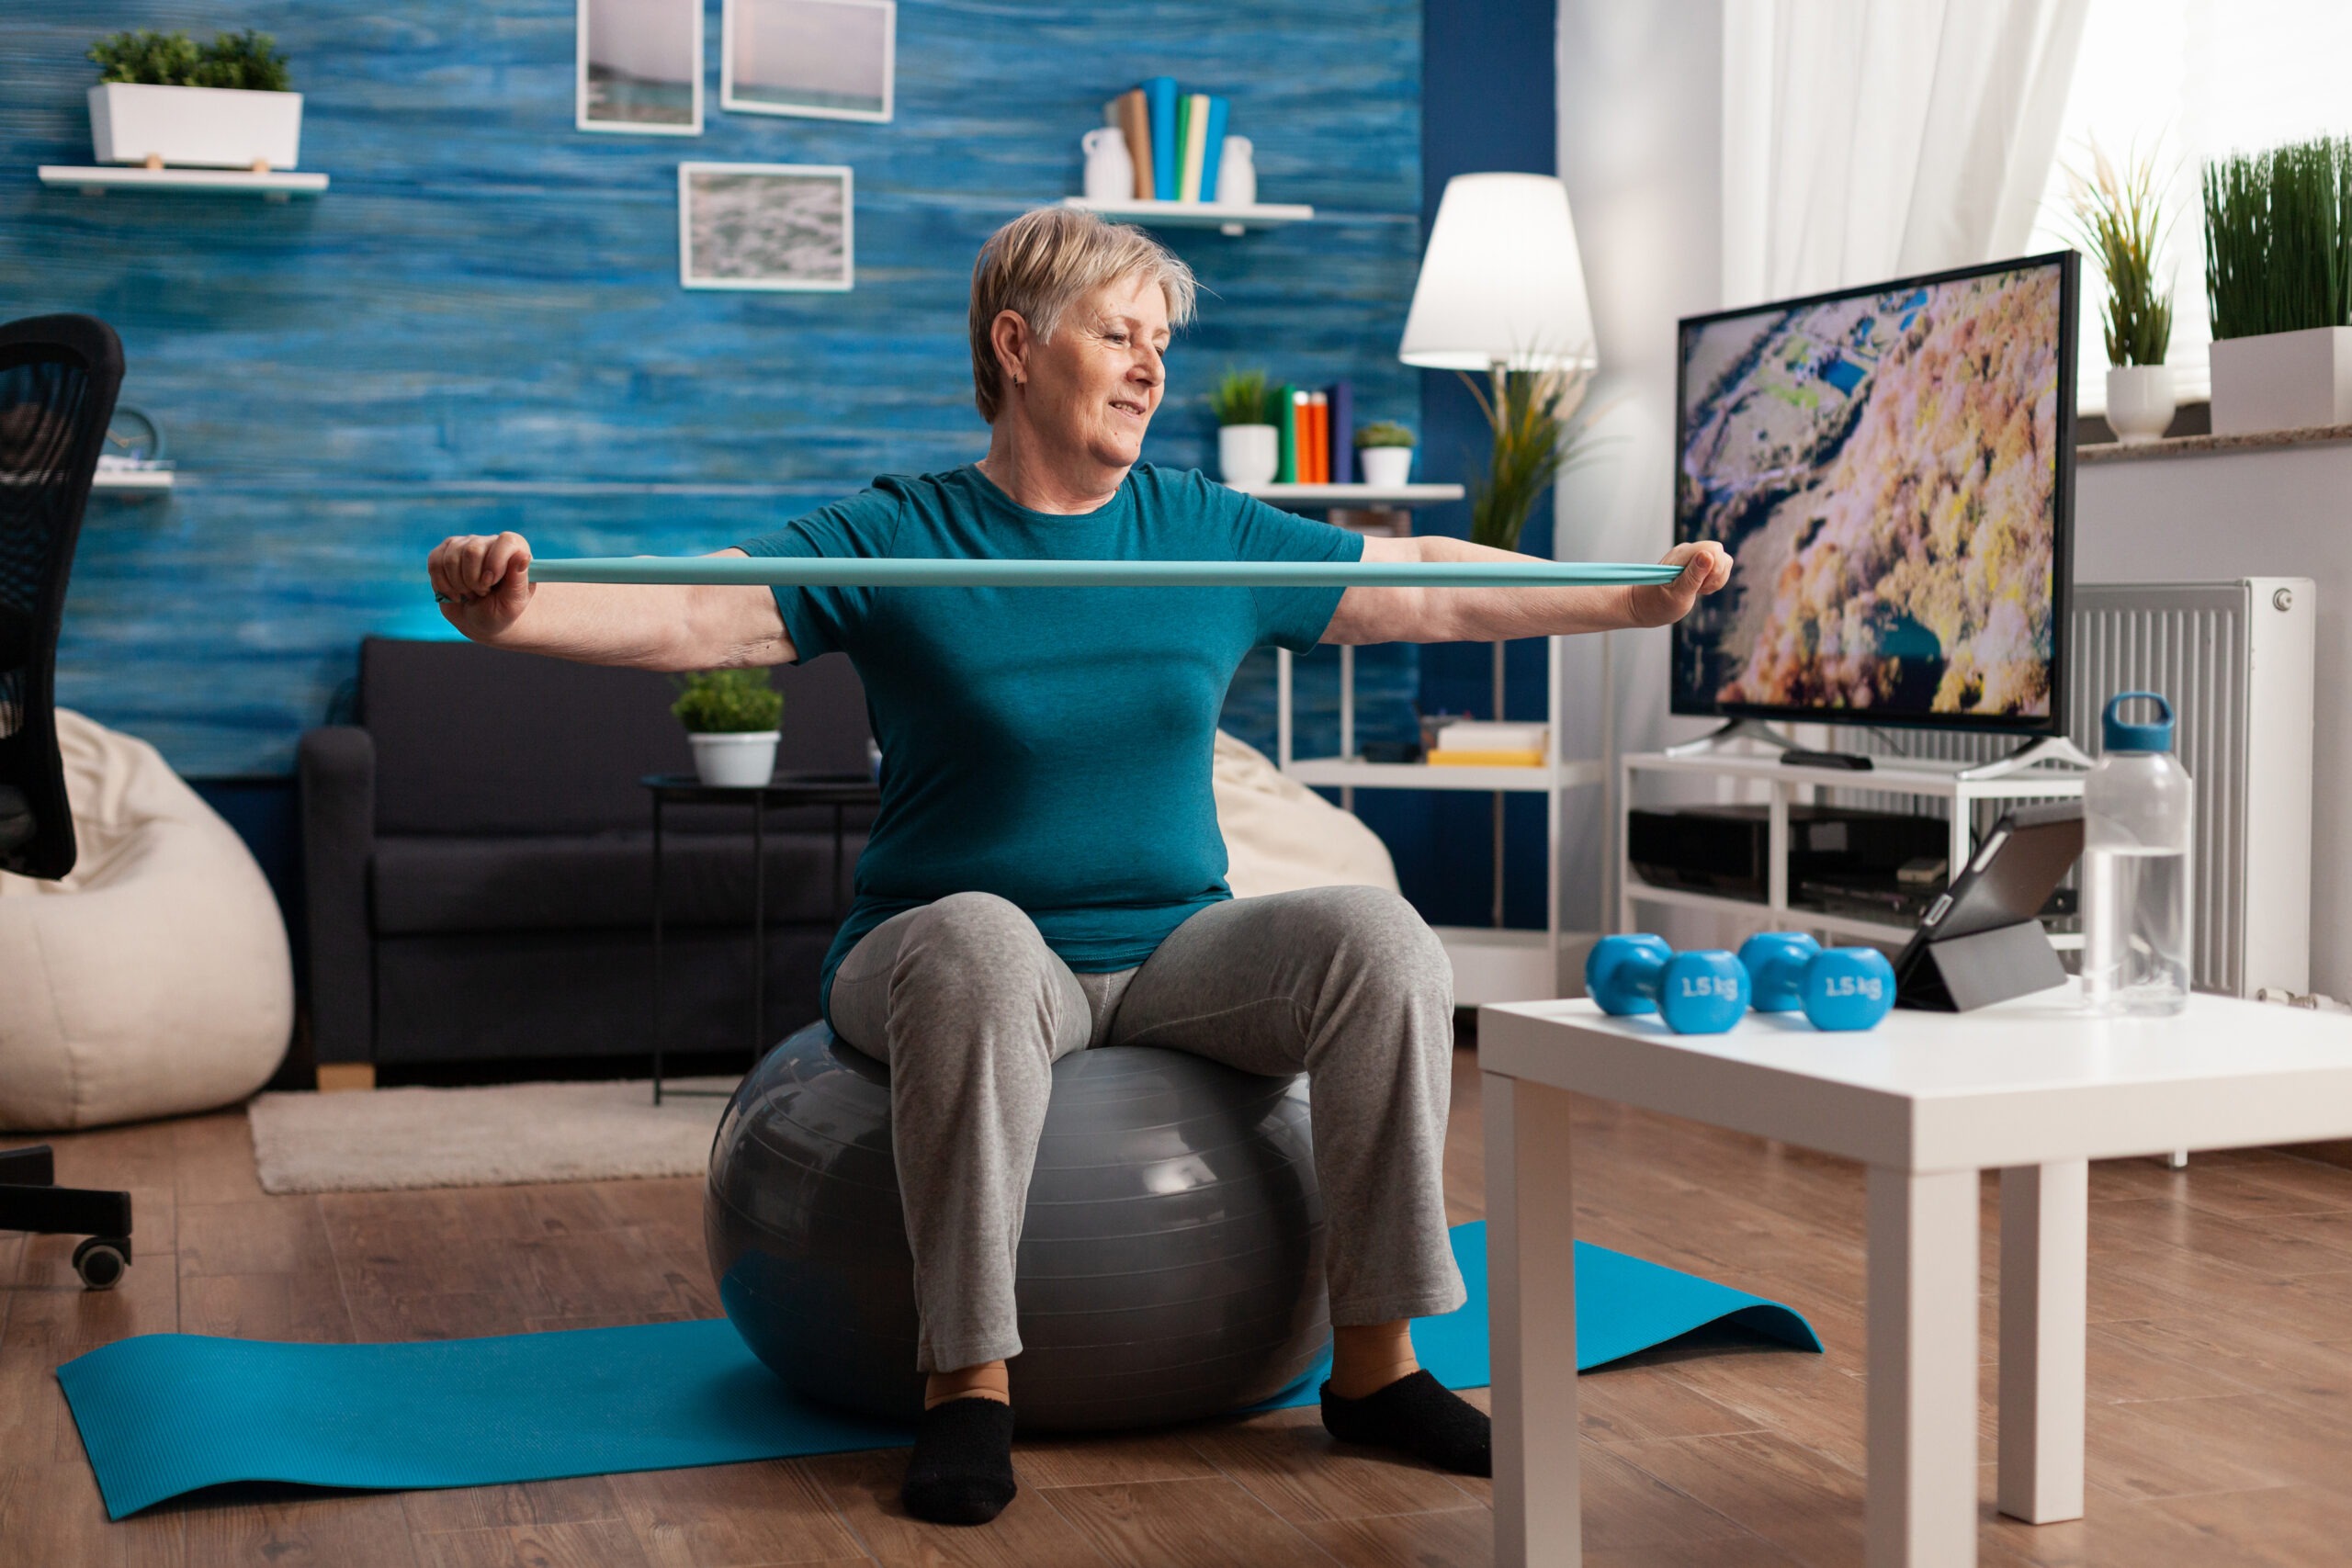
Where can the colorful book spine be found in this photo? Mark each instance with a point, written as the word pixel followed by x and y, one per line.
pixel 1134 122
pixel 1343 433
pixel 1159 94
pixel 1286 435
pixel 1318 446
pixel 1213 149
pixel 1194 125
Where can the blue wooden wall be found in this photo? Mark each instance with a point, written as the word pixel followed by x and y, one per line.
pixel 480 325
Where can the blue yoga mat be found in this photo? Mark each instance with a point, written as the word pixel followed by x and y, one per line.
pixel 164 1413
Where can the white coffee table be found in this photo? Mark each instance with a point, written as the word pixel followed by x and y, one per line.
pixel 2033 1087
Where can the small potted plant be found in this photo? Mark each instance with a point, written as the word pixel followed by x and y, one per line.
pixel 2120 223
pixel 1384 453
pixel 731 718
pixel 1247 448
pixel 2278 277
pixel 162 100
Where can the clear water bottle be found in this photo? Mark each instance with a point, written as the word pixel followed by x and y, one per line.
pixel 2138 808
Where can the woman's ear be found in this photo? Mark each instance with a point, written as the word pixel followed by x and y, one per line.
pixel 1008 335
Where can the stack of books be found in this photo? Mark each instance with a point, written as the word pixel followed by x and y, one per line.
pixel 1175 139
pixel 1316 429
pixel 1484 743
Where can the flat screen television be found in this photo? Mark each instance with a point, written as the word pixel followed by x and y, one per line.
pixel 1891 469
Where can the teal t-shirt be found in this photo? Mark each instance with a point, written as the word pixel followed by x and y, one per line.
pixel 1050 745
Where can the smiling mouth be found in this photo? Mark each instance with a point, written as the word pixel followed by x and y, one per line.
pixel 1132 409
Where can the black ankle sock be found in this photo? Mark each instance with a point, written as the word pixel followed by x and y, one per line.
pixel 1420 1415
pixel 962 1470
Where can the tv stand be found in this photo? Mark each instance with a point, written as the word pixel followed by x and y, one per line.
pixel 1754 729
pixel 2052 750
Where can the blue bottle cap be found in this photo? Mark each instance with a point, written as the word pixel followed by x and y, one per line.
pixel 2119 734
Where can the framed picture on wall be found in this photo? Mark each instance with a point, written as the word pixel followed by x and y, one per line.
pixel 826 59
pixel 779 226
pixel 640 67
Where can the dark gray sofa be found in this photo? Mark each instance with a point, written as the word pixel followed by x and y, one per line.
pixel 479 866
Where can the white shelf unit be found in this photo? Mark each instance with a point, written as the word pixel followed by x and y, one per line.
pixel 1490 963
pixel 1775 913
pixel 97 179
pixel 132 480
pixel 1353 495
pixel 1225 217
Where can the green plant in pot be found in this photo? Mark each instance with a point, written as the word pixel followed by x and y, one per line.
pixel 1384 453
pixel 163 100
pixel 1249 448
pixel 731 718
pixel 2279 279
pixel 1541 429
pixel 2120 223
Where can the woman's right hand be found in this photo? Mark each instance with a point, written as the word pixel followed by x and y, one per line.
pixel 482 581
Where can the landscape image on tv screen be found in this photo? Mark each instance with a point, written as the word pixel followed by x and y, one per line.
pixel 1884 468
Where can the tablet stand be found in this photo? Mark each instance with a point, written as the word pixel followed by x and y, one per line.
pixel 1961 974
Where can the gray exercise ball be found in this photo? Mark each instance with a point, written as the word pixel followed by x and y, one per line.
pixel 1172 1257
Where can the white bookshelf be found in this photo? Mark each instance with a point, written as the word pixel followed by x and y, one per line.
pixel 132 480
pixel 97 179
pixel 1353 495
pixel 1225 217
pixel 1786 787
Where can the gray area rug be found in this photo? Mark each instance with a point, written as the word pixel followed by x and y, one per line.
pixel 392 1139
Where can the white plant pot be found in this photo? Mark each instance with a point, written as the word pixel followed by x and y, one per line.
pixel 2140 401
pixel 743 760
pixel 2282 380
pixel 205 128
pixel 1387 467
pixel 1249 454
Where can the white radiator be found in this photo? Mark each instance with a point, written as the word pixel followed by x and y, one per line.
pixel 2237 661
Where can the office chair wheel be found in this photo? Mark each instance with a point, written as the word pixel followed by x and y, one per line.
pixel 100 1261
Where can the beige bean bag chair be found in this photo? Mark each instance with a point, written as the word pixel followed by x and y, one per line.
pixel 153 980
pixel 1280 835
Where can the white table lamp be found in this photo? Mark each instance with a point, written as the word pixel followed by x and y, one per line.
pixel 1501 283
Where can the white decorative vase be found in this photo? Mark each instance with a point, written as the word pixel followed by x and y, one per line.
pixel 1110 170
pixel 1386 466
pixel 2140 402
pixel 2282 380
pixel 1237 173
pixel 204 128
pixel 1248 454
pixel 744 760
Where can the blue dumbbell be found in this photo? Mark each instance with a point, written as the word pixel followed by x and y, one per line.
pixel 1697 993
pixel 1842 987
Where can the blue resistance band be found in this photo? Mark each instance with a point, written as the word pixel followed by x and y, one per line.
pixel 775 571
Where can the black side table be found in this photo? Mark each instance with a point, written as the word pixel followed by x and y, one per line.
pixel 836 790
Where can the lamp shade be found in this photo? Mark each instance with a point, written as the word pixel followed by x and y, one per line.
pixel 1502 282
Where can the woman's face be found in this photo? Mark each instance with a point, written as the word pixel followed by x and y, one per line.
pixel 1095 388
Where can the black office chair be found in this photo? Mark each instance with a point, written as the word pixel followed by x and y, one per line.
pixel 58 379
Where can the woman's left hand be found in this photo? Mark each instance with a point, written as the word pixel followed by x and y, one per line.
pixel 1706 566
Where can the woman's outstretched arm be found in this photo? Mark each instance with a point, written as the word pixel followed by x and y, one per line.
pixel 483 583
pixel 1493 614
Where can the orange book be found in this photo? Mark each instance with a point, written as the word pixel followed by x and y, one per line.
pixel 1321 405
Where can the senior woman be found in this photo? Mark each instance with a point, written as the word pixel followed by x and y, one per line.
pixel 1044 875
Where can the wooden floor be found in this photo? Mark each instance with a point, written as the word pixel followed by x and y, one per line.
pixel 2221 1369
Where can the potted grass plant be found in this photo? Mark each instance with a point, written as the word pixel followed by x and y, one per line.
pixel 731 718
pixel 162 100
pixel 1384 453
pixel 2121 222
pixel 1249 449
pixel 2278 277
pixel 1537 419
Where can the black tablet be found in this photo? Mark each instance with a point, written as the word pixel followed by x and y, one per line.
pixel 2004 886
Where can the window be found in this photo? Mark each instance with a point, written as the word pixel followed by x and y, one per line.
pixel 2189 80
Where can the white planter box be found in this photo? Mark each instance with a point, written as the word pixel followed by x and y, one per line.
pixel 205 128
pixel 2283 381
pixel 735 761
pixel 1387 467
pixel 1248 454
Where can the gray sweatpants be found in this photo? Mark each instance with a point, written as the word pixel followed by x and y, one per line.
pixel 971 1009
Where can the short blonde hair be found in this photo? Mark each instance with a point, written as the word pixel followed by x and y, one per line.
pixel 1044 262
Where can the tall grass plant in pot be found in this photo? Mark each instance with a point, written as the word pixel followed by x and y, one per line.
pixel 165 100
pixel 1541 430
pixel 731 718
pixel 1249 449
pixel 2278 278
pixel 2121 222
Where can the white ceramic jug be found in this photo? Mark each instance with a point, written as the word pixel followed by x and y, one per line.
pixel 1237 173
pixel 1110 172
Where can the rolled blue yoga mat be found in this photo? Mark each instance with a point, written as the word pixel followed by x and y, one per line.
pixel 164 1413
pixel 858 571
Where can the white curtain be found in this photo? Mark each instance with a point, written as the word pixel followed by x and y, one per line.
pixel 1867 139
